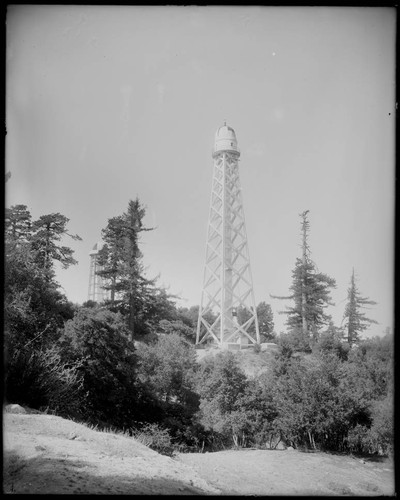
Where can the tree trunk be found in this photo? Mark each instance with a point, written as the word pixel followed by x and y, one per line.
pixel 132 315
pixel 235 440
pixel 279 440
pixel 303 294
pixel 112 295
pixel 310 439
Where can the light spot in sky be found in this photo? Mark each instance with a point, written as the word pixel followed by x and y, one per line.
pixel 278 114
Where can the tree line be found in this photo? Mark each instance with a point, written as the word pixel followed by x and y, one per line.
pixel 311 296
pixel 130 362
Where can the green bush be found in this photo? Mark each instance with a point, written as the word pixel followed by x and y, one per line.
pixel 39 379
pixel 156 438
pixel 379 437
pixel 98 341
pixel 257 348
pixel 382 429
pixel 358 439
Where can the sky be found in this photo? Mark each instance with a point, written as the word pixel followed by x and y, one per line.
pixel 108 103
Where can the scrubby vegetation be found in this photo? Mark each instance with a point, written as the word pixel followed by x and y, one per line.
pixel 130 363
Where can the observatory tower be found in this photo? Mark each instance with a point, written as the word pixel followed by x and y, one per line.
pixel 227 314
pixel 96 290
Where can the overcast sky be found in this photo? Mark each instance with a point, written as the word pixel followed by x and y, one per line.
pixel 105 104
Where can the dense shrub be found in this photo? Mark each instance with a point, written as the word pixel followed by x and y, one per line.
pixel 233 409
pixel 257 348
pixel 98 342
pixel 156 438
pixel 379 437
pixel 381 433
pixel 167 369
pixel 40 379
pixel 358 439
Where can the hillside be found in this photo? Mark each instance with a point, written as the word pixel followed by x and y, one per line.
pixel 48 454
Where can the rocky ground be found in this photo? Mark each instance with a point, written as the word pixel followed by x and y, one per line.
pixel 48 454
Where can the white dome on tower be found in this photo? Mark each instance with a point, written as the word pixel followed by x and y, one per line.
pixel 97 247
pixel 225 140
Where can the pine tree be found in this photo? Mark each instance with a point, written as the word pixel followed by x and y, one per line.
pixel 121 264
pixel 310 293
pixel 355 321
pixel 18 223
pixel 48 230
pixel 111 255
pixel 265 322
pixel 34 308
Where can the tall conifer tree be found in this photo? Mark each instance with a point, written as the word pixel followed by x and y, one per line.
pixel 18 223
pixel 122 268
pixel 355 321
pixel 310 293
pixel 48 231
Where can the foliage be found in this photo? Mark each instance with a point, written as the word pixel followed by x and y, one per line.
pixel 378 438
pixel 257 348
pixel 311 296
pixel 97 342
pixel 40 379
pixel 158 306
pixel 33 305
pixel 310 293
pixel 381 432
pixel 132 294
pixel 265 322
pixel 293 341
pixel 179 327
pixel 371 365
pixel 47 232
pixel 34 308
pixel 167 367
pixel 332 399
pixel 313 408
pixel 355 321
pixel 18 223
pixel 258 413
pixel 189 316
pixel 156 438
pixel 120 261
pixel 220 383
pixel 34 313
pixel 331 341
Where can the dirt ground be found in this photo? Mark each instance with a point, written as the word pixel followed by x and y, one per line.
pixel 47 454
pixel 282 472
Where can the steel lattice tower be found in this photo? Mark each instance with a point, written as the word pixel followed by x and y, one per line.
pixel 227 314
pixel 96 290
